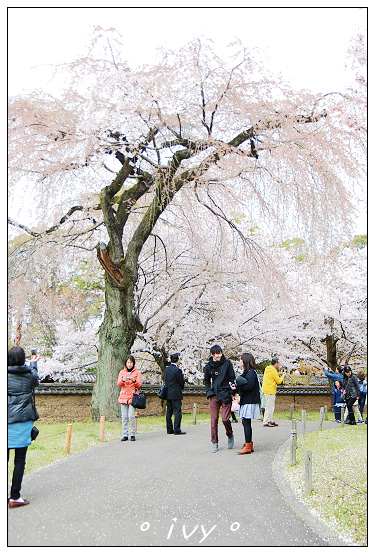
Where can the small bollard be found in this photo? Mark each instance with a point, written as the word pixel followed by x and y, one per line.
pixel 342 417
pixel 321 418
pixel 326 413
pixel 308 471
pixel 194 414
pixel 293 446
pixel 303 422
pixel 101 433
pixel 68 438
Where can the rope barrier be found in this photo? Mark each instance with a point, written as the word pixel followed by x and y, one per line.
pixel 53 435
pixel 342 480
pixel 308 470
pixel 79 429
pixel 64 432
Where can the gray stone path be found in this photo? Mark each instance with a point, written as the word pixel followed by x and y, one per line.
pixel 167 490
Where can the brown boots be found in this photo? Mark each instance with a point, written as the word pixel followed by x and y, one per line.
pixel 246 449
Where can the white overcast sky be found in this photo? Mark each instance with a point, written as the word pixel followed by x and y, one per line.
pixel 308 46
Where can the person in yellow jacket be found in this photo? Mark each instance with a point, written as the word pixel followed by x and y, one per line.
pixel 271 378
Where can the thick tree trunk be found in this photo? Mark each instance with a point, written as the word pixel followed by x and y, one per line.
pixel 161 358
pixel 331 342
pixel 118 330
pixel 116 337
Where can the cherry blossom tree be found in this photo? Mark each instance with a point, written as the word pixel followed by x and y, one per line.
pixel 326 320
pixel 41 294
pixel 340 312
pixel 315 311
pixel 119 153
pixel 76 352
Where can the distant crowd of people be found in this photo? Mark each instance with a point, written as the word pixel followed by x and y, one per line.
pixel 349 391
pixel 225 392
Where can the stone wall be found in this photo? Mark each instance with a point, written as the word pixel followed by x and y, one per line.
pixel 76 407
pixel 308 402
pixel 53 408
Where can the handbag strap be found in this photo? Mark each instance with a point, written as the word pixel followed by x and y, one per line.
pixel 33 397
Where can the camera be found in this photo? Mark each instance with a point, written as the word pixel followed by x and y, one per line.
pixel 33 351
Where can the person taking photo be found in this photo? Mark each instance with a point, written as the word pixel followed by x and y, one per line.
pixel 271 378
pixel 22 379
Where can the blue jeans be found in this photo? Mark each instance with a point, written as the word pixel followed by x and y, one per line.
pixel 337 410
pixel 362 400
pixel 127 413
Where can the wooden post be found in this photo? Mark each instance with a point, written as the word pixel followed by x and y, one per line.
pixel 342 417
pixel 101 433
pixel 293 446
pixel 308 471
pixel 68 438
pixel 291 411
pixel 294 429
pixel 136 421
pixel 294 425
pixel 194 414
pixel 326 413
pixel 303 422
pixel 321 418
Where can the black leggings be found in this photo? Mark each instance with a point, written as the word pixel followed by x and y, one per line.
pixel 19 467
pixel 247 430
pixel 349 404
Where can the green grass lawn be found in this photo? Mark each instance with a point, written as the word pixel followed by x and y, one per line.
pixel 339 493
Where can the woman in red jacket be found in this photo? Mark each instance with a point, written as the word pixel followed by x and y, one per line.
pixel 129 379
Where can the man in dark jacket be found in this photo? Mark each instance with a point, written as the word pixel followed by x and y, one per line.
pixel 174 382
pixel 219 380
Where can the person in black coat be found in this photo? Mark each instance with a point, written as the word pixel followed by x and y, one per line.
pixel 22 380
pixel 174 382
pixel 248 386
pixel 219 380
pixel 351 391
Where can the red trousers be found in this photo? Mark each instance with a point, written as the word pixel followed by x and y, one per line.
pixel 215 405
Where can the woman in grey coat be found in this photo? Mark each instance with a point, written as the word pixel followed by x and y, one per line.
pixel 22 380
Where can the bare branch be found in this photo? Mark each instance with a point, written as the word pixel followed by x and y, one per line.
pixel 23 227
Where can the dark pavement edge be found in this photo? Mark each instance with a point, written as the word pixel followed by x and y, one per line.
pixel 297 505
